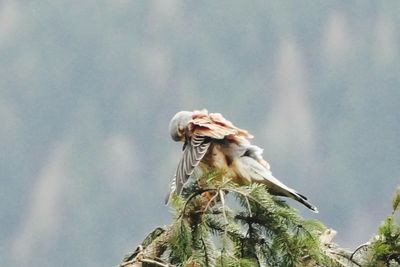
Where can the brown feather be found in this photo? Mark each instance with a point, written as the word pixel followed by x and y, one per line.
pixel 214 125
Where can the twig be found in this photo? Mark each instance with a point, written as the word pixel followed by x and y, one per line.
pixel 205 251
pixel 248 206
pixel 358 248
pixel 157 263
pixel 135 259
pixel 199 192
pixel 209 202
pixel 245 195
pixel 344 256
pixel 221 193
pixel 141 259
pixel 126 263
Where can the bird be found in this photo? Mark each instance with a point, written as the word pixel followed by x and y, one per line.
pixel 212 142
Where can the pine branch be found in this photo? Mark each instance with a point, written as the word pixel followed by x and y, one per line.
pixel 261 230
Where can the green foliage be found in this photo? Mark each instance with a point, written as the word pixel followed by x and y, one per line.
pixel 146 242
pixel 217 223
pixel 181 242
pixel 261 230
pixel 385 247
pixel 396 200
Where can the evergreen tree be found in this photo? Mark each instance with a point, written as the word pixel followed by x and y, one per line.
pixel 217 223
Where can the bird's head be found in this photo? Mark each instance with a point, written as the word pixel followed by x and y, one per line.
pixel 178 124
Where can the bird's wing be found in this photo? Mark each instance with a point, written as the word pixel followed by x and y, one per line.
pixel 194 151
pixel 260 174
pixel 256 152
pixel 214 125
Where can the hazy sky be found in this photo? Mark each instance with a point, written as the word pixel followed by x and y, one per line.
pixel 87 90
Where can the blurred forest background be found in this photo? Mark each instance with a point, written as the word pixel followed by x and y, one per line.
pixel 87 89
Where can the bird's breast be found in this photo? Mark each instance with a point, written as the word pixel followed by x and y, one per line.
pixel 218 158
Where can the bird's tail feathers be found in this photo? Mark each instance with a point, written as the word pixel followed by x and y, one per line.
pixel 261 174
pixel 303 200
